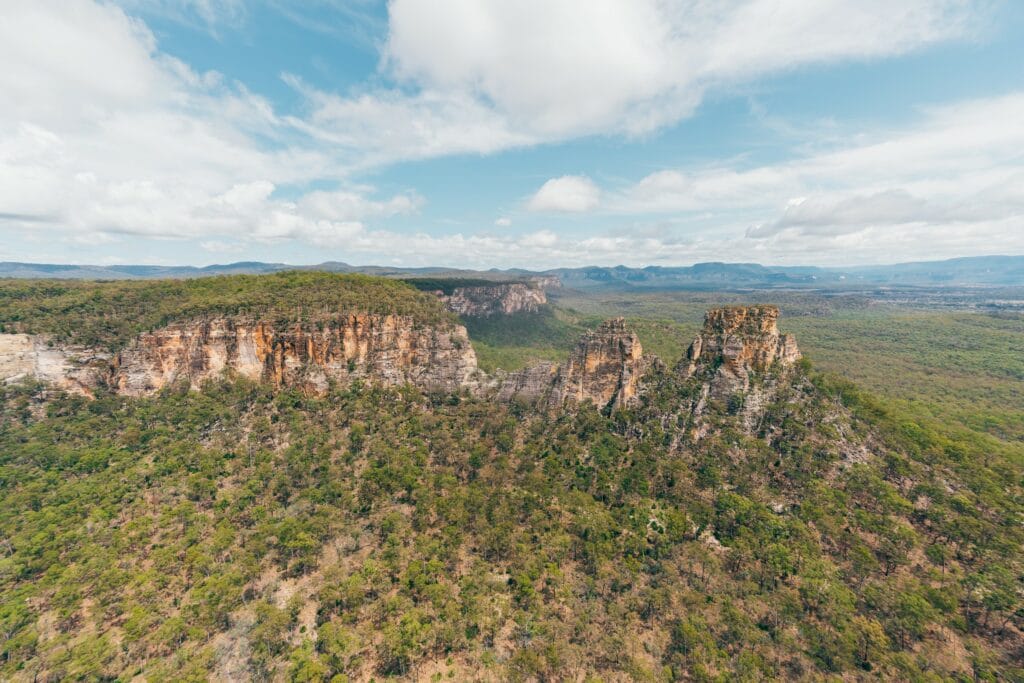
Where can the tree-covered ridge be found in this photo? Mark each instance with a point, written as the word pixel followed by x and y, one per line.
pixel 447 285
pixel 371 533
pixel 109 314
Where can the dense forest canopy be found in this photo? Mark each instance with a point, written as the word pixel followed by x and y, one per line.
pixel 247 531
pixel 109 314
pixel 371 533
pixel 447 285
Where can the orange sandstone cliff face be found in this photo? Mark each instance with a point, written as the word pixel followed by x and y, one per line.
pixel 605 368
pixel 732 355
pixel 738 345
pixel 386 349
pixel 498 299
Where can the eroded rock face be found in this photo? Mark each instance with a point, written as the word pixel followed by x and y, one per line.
pixel 736 357
pixel 499 299
pixel 605 367
pixel 26 356
pixel 737 343
pixel 387 349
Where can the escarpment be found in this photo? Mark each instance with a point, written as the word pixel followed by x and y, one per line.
pixel 737 353
pixel 606 368
pixel 498 299
pixel 389 349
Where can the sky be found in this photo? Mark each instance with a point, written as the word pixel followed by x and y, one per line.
pixel 532 134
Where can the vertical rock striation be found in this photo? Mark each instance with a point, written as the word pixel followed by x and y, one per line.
pixel 605 368
pixel 388 349
pixel 499 299
pixel 26 356
pixel 738 342
pixel 738 358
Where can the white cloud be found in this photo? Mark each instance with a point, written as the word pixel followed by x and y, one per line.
pixel 389 126
pixel 503 222
pixel 562 68
pixel 488 75
pixel 101 134
pixel 104 136
pixel 955 173
pixel 567 194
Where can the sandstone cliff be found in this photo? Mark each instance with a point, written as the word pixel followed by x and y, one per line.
pixel 739 353
pixel 606 368
pixel 388 349
pixel 74 369
pixel 740 358
pixel 498 299
pixel 737 343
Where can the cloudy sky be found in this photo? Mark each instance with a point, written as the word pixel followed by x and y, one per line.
pixel 533 133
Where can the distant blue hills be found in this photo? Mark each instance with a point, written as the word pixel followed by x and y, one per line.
pixel 969 271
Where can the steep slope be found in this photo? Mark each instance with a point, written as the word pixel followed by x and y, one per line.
pixel 291 329
pixel 26 357
pixel 110 315
pixel 250 530
pixel 502 299
pixel 737 344
pixel 605 368
pixel 477 298
pixel 386 349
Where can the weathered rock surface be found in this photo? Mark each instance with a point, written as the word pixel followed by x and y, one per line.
pixel 499 299
pixel 739 353
pixel 387 349
pixel 546 282
pixel 741 360
pixel 25 356
pixel 737 343
pixel 605 367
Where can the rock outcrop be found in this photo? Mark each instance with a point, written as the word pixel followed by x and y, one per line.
pixel 546 282
pixel 740 358
pixel 605 367
pixel 736 344
pixel 387 349
pixel 499 299
pixel 73 369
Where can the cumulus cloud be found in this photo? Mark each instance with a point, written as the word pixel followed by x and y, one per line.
pixel 484 76
pixel 555 68
pixel 101 134
pixel 956 172
pixel 567 194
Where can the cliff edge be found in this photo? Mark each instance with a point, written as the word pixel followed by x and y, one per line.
pixel 736 344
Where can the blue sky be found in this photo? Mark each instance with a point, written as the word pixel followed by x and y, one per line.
pixel 533 134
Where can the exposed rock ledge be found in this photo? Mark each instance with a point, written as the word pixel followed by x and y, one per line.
pixel 607 367
pixel 739 342
pixel 72 369
pixel 498 299
pixel 389 349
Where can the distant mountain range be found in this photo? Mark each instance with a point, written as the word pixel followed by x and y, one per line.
pixel 970 271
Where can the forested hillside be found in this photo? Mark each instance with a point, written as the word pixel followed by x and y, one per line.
pixel 800 528
pixel 110 314
pixel 240 532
